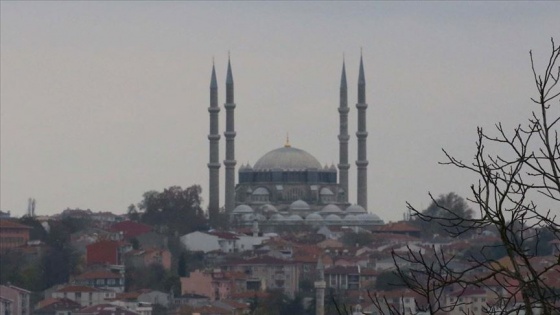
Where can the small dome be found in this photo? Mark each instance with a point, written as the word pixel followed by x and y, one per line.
pixel 287 158
pixel 261 191
pixel 350 218
pixel 294 217
pixel 268 208
pixel 259 217
pixel 299 205
pixel 369 217
pixel 326 192
pixel 248 217
pixel 277 217
pixel 314 217
pixel 355 209
pixel 242 209
pixel 331 208
pixel 332 217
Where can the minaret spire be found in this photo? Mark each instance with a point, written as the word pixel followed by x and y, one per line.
pixel 229 134
pixel 320 286
pixel 362 134
pixel 214 138
pixel 343 136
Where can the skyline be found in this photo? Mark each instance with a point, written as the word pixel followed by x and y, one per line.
pixel 101 102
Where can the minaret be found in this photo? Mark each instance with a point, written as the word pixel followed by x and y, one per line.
pixel 320 286
pixel 362 134
pixel 230 162
pixel 343 136
pixel 214 138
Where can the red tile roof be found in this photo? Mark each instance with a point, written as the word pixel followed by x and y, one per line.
pixel 9 224
pixel 79 288
pixel 249 294
pixel 98 274
pixel 130 229
pixel 263 260
pixel 224 235
pixel 57 304
pixel 397 227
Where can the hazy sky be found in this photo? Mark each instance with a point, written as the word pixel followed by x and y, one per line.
pixel 102 101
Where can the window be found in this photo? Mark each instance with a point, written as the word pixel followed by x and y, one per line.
pixel 343 282
pixel 100 281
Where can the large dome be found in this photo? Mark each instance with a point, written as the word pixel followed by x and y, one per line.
pixel 287 158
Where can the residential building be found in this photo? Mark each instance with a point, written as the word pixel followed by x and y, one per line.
pixel 274 273
pixel 146 257
pixel 217 284
pixel 84 295
pixel 107 252
pixel 55 306
pixel 15 299
pixel 13 234
pixel 102 279
pixel 104 309
pixel 155 297
pixel 130 229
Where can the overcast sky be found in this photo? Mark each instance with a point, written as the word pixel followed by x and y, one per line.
pixel 103 101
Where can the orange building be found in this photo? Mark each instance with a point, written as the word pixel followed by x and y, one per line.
pixel 13 234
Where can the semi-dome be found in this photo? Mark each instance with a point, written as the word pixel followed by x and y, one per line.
pixel 355 209
pixel 314 217
pixel 248 217
pixel 331 208
pixel 299 205
pixel 287 158
pixel 369 217
pixel 294 217
pixel 276 217
pixel 332 217
pixel 261 191
pixel 241 209
pixel 268 208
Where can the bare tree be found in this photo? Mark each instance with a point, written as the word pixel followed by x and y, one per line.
pixel 526 169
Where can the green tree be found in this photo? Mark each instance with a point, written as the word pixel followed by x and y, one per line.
pixel 133 213
pixel 174 210
pixel 37 231
pixel 153 277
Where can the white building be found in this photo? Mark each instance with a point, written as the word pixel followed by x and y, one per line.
pixel 226 242
pixel 84 295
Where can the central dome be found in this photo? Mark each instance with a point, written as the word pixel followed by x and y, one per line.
pixel 287 158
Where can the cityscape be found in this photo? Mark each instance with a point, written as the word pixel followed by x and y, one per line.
pixel 154 175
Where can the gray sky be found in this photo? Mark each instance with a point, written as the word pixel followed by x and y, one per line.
pixel 102 101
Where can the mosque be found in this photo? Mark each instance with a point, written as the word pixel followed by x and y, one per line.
pixel 288 187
